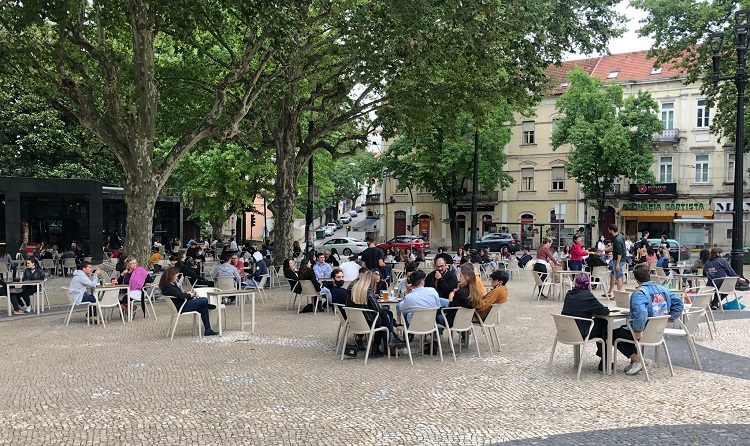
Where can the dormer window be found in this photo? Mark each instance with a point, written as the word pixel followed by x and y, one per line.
pixel 613 74
pixel 656 70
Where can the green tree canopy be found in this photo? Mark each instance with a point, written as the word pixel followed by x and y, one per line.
pixel 606 145
pixel 441 161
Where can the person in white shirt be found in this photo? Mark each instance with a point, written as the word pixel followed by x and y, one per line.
pixel 350 268
pixel 233 245
pixel 420 297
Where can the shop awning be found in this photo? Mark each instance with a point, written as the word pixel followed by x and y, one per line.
pixel 707 213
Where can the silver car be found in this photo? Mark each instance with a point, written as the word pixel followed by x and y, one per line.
pixel 345 246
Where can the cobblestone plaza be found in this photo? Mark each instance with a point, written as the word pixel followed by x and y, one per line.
pixel 127 384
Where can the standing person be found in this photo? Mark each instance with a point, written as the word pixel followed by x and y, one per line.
pixel 442 279
pixel 80 284
pixel 643 242
pixel 628 249
pixel 168 287
pixel 544 259
pixel 580 302
pixel 373 257
pixel 647 301
pixel 8 260
pixel 577 253
pixel 618 260
pixel 715 269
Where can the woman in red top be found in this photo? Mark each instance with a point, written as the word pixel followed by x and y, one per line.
pixel 544 257
pixel 576 254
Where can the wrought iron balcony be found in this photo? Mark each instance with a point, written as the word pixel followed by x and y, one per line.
pixel 667 136
pixel 372 199
pixel 482 197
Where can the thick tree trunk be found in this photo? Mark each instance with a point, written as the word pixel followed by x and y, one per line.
pixel 140 198
pixel 283 208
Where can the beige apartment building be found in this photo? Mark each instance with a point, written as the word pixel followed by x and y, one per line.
pixel 694 174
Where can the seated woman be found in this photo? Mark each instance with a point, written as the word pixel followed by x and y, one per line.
pixel 136 277
pixel 459 255
pixel 332 257
pixel 505 254
pixel 155 257
pixel 33 272
pixel 189 271
pixel 306 273
pixel 363 296
pixel 290 273
pixel 580 302
pixel 468 294
pixel 186 302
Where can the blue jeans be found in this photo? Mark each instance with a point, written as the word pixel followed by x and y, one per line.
pixel 325 291
pixel 199 304
pixel 575 265
pixel 91 299
pixel 617 272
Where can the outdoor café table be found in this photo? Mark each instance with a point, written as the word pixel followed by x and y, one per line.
pixel 694 279
pixel 391 304
pixel 214 297
pixel 37 295
pixel 615 313
pixel 99 289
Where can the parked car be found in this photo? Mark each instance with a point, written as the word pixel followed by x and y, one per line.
pixel 330 228
pixel 339 224
pixel 345 219
pixel 407 241
pixel 353 213
pixel 359 208
pixel 674 248
pixel 345 246
pixel 496 241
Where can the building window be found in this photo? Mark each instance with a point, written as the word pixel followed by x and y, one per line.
pixel 667 115
pixel 701 168
pixel 528 132
pixel 702 115
pixel 656 70
pixel 613 74
pixel 730 167
pixel 665 169
pixel 558 178
pixel 527 179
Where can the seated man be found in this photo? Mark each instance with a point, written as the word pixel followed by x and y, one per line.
pixel 498 294
pixel 190 272
pixel 226 269
pixel 261 269
pixel 321 268
pixel 79 285
pixel 420 297
pixel 403 287
pixel 350 268
pixel 339 294
pixel 525 258
pixel 647 301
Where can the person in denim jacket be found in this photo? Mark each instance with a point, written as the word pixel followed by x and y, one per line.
pixel 647 301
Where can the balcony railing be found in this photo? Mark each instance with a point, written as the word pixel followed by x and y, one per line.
pixel 372 199
pixel 482 197
pixel 668 135
pixel 613 191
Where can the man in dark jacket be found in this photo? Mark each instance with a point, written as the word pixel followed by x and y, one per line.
pixel 580 302
pixel 442 279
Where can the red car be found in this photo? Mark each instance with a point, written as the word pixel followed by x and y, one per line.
pixel 407 241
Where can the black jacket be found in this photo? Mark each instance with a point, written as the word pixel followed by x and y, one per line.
pixel 582 303
pixel 178 296
pixel 447 283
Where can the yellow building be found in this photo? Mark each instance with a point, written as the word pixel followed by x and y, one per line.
pixel 694 172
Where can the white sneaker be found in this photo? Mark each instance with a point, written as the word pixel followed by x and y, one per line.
pixel 635 367
pixel 27 308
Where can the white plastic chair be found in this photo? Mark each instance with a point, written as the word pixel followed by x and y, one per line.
pixel 342 324
pixel 47 265
pixel 110 299
pixel 569 334
pixel 687 330
pixel 727 288
pixel 356 323
pixel 68 264
pixel 541 285
pixel 513 268
pixel 308 291
pixel 422 323
pixel 73 304
pixel 622 298
pixel 461 324
pixel 703 300
pixel 652 336
pixel 598 277
pixel 261 287
pixel 175 314
pixel 203 292
pixel 489 327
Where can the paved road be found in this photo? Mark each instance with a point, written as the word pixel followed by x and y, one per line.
pixel 127 385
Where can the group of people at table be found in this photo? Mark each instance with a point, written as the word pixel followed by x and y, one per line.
pixel 445 287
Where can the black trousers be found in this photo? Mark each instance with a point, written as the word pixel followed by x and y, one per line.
pixel 624 348
pixel 542 269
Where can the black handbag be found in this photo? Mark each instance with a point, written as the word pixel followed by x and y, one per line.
pixel 351 350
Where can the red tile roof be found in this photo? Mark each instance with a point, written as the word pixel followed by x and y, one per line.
pixel 631 66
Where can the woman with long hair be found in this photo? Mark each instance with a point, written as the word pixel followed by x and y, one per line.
pixel 186 302
pixel 32 272
pixel 363 296
pixel 468 294
pixel 136 278
pixel 459 255
pixel 290 273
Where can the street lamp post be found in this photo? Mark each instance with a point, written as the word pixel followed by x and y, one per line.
pixel 264 194
pixel 740 81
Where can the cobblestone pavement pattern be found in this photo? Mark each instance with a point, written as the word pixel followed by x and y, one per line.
pixel 129 385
